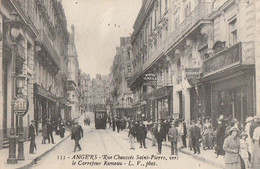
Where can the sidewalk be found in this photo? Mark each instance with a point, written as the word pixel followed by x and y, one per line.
pixel 30 159
pixel 207 156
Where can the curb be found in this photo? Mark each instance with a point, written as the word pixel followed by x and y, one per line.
pixel 196 156
pixel 34 161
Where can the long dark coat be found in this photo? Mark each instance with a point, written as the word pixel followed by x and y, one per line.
pixel 77 133
pixel 159 134
pixel 141 132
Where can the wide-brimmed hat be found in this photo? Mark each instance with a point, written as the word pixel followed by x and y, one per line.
pixel 248 119
pixel 233 129
pixel 257 118
pixel 243 134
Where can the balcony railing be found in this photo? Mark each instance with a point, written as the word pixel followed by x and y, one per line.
pixel 46 42
pixel 202 11
pixel 239 54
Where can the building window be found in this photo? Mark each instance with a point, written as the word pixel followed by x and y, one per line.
pixel 129 69
pixel 233 32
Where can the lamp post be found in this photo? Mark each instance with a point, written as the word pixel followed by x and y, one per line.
pixel 21 107
pixel 13 33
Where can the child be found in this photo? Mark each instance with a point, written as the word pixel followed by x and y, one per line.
pixel 244 149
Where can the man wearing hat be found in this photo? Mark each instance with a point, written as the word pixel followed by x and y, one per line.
pixel 254 125
pixel 195 136
pixel 76 135
pixel 49 131
pixel 32 136
pixel 159 135
pixel 173 138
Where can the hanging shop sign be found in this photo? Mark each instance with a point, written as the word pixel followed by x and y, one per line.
pixel 150 80
pixel 192 75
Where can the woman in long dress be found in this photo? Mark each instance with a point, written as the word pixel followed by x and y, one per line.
pixel 207 133
pixel 231 147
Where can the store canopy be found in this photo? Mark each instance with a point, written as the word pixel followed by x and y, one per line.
pixel 159 93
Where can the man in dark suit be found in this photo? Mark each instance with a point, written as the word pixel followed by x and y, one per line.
pixel 184 133
pixel 114 124
pixel 173 138
pixel 49 131
pixel 77 134
pixel 195 136
pixel 118 124
pixel 141 134
pixel 32 136
pixel 160 135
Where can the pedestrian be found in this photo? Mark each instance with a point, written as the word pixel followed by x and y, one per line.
pixel 49 131
pixel 256 145
pixel 207 133
pixel 195 136
pixel 180 133
pixel 131 135
pixel 231 147
pixel 153 133
pixel 243 151
pixel 32 134
pixel 62 130
pixel 159 135
pixel 184 133
pixel 114 124
pixel 76 135
pixel 249 139
pixel 141 134
pixel 220 137
pixel 173 137
pixel 118 124
pixel 44 134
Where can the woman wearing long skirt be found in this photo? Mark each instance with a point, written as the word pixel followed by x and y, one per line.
pixel 208 130
pixel 231 147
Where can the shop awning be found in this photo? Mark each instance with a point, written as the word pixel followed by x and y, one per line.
pixel 159 93
pixel 44 93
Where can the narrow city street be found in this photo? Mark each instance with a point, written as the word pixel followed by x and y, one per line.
pixel 101 143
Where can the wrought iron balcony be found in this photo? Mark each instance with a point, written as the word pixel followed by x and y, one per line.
pixel 44 41
pixel 191 21
pixel 241 54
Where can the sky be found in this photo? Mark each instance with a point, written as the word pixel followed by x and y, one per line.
pixel 99 24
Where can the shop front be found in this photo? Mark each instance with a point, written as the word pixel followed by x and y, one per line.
pixel 160 103
pixel 230 76
pixel 44 106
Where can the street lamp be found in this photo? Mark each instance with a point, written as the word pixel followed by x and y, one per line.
pixel 21 107
pixel 13 32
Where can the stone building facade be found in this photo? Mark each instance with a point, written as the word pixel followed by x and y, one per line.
pixel 42 58
pixel 120 72
pixel 201 53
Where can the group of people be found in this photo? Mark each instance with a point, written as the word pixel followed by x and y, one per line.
pixel 117 123
pixel 47 133
pixel 242 144
pixel 159 132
